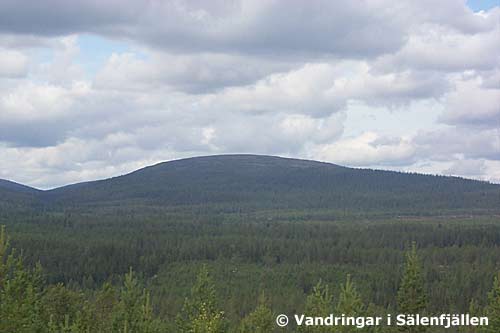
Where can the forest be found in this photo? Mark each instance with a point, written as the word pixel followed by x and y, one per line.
pixel 29 304
pixel 225 244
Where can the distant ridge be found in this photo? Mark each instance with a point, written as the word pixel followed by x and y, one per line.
pixel 268 182
pixel 16 187
pixel 17 196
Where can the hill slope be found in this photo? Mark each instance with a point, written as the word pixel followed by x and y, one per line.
pixel 16 196
pixel 266 182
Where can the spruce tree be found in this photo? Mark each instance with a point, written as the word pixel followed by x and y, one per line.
pixel 474 310
pixel 133 312
pixel 493 308
pixel 103 308
pixel 350 304
pixel 20 292
pixel 199 313
pixel 412 296
pixel 319 303
pixel 261 320
pixel 59 302
pixel 4 246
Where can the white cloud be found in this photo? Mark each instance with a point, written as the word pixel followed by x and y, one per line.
pixel 250 76
pixel 368 149
pixel 455 142
pixel 63 69
pixel 200 73
pixel 472 105
pixel 470 168
pixel 492 172
pixel 244 27
pixel 13 63
pixel 439 48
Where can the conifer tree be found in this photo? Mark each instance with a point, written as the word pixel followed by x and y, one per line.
pixel 412 296
pixel 133 312
pixel 493 308
pixel 261 320
pixel 319 303
pixel 350 304
pixel 474 310
pixel 199 313
pixel 103 308
pixel 58 303
pixel 20 292
pixel 4 246
pixel 207 321
pixel 377 311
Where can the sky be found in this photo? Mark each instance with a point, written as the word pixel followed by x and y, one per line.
pixel 94 89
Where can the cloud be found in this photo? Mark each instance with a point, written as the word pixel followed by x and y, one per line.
pixel 406 85
pixel 38 114
pixel 452 13
pixel 320 89
pixel 442 49
pixel 294 27
pixel 470 168
pixel 59 17
pixel 368 149
pixel 247 26
pixel 63 69
pixel 200 73
pixel 72 161
pixel 463 142
pixel 284 134
pixel 13 64
pixel 472 105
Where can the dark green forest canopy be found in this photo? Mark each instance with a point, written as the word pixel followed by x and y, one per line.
pixel 290 256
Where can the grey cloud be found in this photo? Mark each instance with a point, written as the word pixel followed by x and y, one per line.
pixel 13 64
pixel 33 134
pixel 59 17
pixel 443 145
pixel 274 134
pixel 311 94
pixel 287 28
pixel 20 42
pixel 435 48
pixel 490 79
pixel 245 76
pixel 399 89
pixel 452 13
pixel 195 74
pixel 261 27
pixel 386 141
pixel 320 89
pixel 470 168
pixel 471 105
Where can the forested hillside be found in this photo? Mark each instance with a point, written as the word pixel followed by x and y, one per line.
pixel 267 229
pixel 17 197
pixel 251 182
